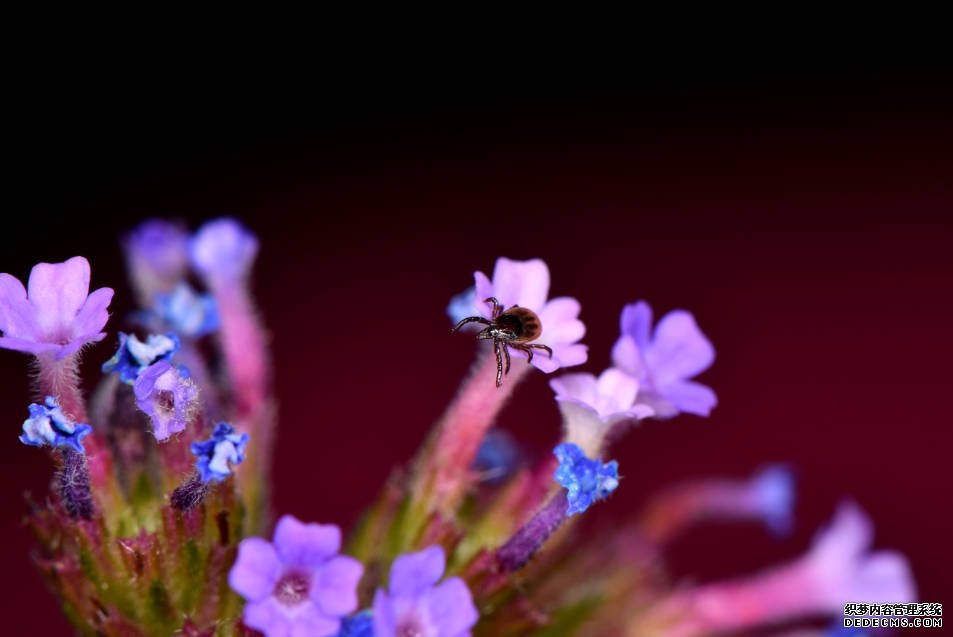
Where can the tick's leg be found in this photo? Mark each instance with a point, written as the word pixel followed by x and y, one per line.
pixel 470 319
pixel 499 363
pixel 497 308
pixel 506 357
pixel 542 347
pixel 526 350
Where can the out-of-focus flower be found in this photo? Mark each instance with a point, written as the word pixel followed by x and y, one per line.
pixel 359 625
pixel 58 315
pixel 415 604
pixel 218 453
pixel 132 356
pixel 187 312
pixel 841 568
pixel 167 396
pixel 772 493
pixel 592 406
pixel 223 250
pixel 586 480
pixel 297 584
pixel 498 456
pixel 462 305
pixel 665 359
pixel 48 425
pixel 526 283
pixel 157 256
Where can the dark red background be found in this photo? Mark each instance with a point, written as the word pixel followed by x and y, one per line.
pixel 806 222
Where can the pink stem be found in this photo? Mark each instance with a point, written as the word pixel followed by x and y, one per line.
pixel 676 509
pixel 243 343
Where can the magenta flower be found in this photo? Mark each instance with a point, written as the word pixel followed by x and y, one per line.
pixel 167 396
pixel 297 585
pixel 663 361
pixel 415 605
pixel 57 315
pixel 526 283
pixel 223 251
pixel 592 406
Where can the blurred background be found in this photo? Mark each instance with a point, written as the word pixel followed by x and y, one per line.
pixel 805 219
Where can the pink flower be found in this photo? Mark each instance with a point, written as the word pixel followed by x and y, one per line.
pixel 57 313
pixel 526 283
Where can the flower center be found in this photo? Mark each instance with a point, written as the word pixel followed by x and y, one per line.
pixel 411 626
pixel 165 401
pixel 292 588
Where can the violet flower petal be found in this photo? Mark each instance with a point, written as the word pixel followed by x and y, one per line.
pixel 334 589
pixel 256 570
pixel 679 349
pixel 452 611
pixel 58 291
pixel 414 573
pixel 92 317
pixel 16 313
pixel 305 544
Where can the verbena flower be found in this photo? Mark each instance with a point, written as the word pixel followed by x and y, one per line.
pixel 133 356
pixel 297 584
pixel 157 256
pixel 49 426
pixel 526 283
pixel 592 406
pixel 665 359
pixel 223 250
pixel 218 453
pixel 586 480
pixel 187 312
pixel 414 604
pixel 167 396
pixel 56 313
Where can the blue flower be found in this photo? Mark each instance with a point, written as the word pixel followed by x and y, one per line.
pixel 463 305
pixel 215 454
pixel 133 356
pixel 359 625
pixel 188 313
pixel 586 480
pixel 773 489
pixel 48 425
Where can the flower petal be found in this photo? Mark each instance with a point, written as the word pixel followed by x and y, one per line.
pixel 385 622
pixel 268 616
pixel 309 621
pixel 256 569
pixel 616 391
pixel 57 291
pixel 334 589
pixel 560 323
pixel 563 356
pixel 627 356
pixel 580 386
pixel 523 283
pixel 16 313
pixel 689 396
pixel 23 345
pixel 484 290
pixel 451 608
pixel 93 315
pixel 77 343
pixel 414 573
pixel 678 349
pixel 306 544
pixel 636 322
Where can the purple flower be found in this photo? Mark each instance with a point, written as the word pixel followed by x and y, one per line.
pixel 216 454
pixel 187 312
pixel 48 425
pixel 415 605
pixel 840 567
pixel 592 406
pixel 586 480
pixel 133 356
pixel 297 585
pixel 58 314
pixel 167 396
pixel 663 361
pixel 223 251
pixel 157 256
pixel 526 283
pixel 772 492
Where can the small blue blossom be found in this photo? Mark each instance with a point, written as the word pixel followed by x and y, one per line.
pixel 225 447
pixel 48 425
pixel 359 625
pixel 498 457
pixel 773 487
pixel 188 313
pixel 133 355
pixel 463 305
pixel 586 480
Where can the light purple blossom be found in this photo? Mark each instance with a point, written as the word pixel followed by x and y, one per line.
pixel 167 396
pixel 297 585
pixel 415 604
pixel 841 568
pixel 158 257
pixel 223 251
pixel 526 283
pixel 592 406
pixel 665 359
pixel 55 313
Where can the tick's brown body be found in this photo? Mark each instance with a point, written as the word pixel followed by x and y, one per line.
pixel 515 328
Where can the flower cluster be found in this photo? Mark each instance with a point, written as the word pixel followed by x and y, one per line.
pixel 157 517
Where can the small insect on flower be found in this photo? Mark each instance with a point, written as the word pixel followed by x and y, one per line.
pixel 515 328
